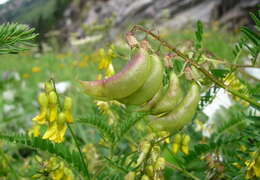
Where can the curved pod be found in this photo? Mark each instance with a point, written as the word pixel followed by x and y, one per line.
pixel 155 99
pixel 181 115
pixel 125 82
pixel 151 85
pixel 172 97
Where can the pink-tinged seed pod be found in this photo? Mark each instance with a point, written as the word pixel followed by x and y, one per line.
pixel 123 83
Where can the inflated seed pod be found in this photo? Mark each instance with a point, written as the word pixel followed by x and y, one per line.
pixel 171 99
pixel 155 99
pixel 181 115
pixel 123 83
pixel 151 85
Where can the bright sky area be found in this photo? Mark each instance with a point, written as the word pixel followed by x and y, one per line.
pixel 3 1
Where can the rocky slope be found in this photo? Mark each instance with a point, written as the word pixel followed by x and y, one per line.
pixel 171 14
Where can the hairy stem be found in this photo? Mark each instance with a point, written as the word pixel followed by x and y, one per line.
pixel 201 69
pixel 80 152
pixel 72 134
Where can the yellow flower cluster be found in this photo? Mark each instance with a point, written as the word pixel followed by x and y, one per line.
pixel 149 160
pixel 181 142
pixel 54 169
pixel 233 82
pixel 104 107
pixel 253 168
pixel 50 114
pixel 92 157
pixel 106 60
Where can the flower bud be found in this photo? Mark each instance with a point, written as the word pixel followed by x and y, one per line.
pixel 149 170
pixel 145 146
pixel 67 104
pixel 145 177
pixel 43 100
pixel 185 149
pixel 48 87
pixel 257 161
pixel 175 148
pixel 53 99
pixel 61 119
pixel 177 139
pixel 160 163
pixel 130 176
pixel 155 152
pixel 185 139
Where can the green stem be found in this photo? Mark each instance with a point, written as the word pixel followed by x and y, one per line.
pixel 72 133
pixel 204 71
pixel 182 170
pixel 170 165
pixel 80 152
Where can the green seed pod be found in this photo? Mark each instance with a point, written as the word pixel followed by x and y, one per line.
pixel 124 83
pixel 180 116
pixel 172 97
pixel 151 85
pixel 156 98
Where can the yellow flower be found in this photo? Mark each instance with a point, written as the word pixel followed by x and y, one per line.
pixel 104 108
pixel 185 149
pixel 56 129
pixel 104 63
pixel 56 170
pixel 43 102
pixel 51 131
pixel 48 87
pixel 175 148
pixel 110 70
pixel 35 130
pixel 53 106
pixel 253 167
pixel 26 75
pixel 35 69
pixel 233 82
pixel 68 109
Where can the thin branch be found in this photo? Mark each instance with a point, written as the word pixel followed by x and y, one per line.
pixel 203 70
pixel 232 65
pixel 172 166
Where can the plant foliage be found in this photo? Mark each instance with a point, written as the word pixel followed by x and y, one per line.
pixel 15 38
